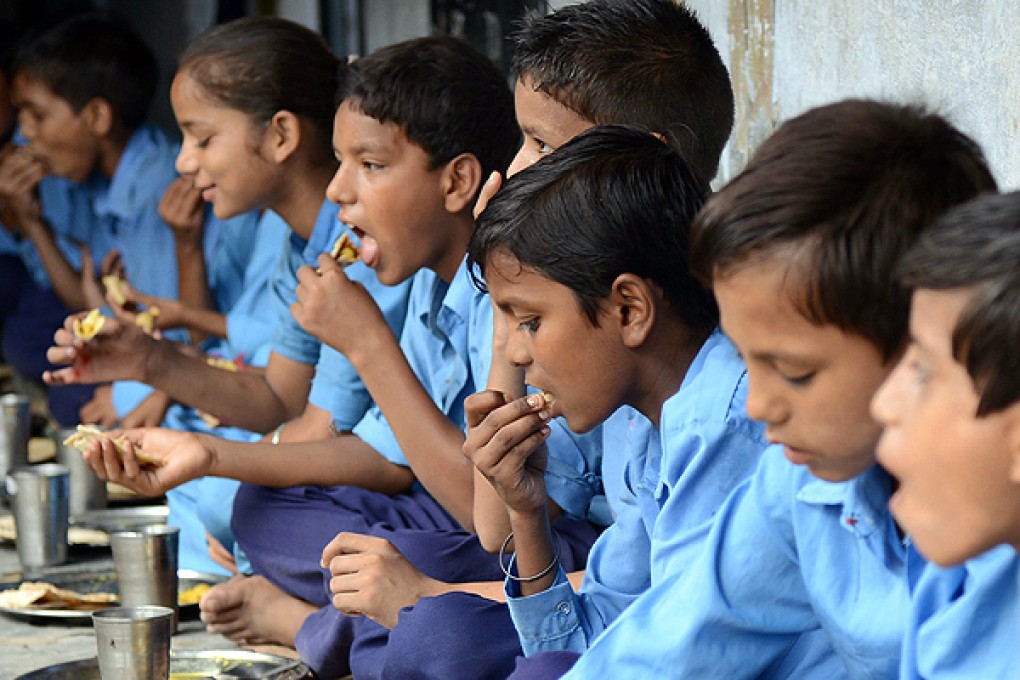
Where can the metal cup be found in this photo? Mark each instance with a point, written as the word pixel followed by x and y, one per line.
pixel 15 423
pixel 88 492
pixel 39 497
pixel 145 560
pixel 133 643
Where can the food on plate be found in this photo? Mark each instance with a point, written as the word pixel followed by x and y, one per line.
pixel 344 251
pixel 147 320
pixel 115 288
pixel 89 325
pixel 85 435
pixel 193 594
pixel 40 595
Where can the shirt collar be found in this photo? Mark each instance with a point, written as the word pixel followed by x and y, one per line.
pixel 864 499
pixel 116 200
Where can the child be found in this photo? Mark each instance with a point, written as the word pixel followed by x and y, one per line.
pixel 255 101
pixel 951 411
pixel 421 124
pixel 800 250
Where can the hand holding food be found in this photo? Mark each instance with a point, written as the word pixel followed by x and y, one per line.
pixel 88 327
pixel 344 251
pixel 85 436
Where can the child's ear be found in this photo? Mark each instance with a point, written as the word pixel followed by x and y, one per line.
pixel 283 135
pixel 634 302
pixel 99 116
pixel 462 177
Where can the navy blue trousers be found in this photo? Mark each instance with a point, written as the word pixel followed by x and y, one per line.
pixel 283 532
pixel 29 316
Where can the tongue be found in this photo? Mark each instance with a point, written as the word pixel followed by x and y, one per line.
pixel 369 251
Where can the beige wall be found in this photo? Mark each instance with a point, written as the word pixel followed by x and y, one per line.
pixel 960 57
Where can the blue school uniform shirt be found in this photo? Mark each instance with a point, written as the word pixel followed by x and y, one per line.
pixel 336 387
pixel 664 488
pixel 788 556
pixel 965 620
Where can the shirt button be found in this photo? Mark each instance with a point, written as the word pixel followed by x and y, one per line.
pixel 563 608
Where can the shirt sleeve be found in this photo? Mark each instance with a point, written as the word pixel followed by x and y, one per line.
pixel 290 340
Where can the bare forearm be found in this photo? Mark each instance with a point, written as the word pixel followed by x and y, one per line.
pixel 193 291
pixel 65 280
pixel 344 460
pixel 533 549
pixel 246 399
pixel 203 322
pixel 432 444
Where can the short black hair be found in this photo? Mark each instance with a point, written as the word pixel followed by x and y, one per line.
pixel 615 199
pixel 976 247
pixel 640 62
pixel 89 56
pixel 445 95
pixel 844 190
pixel 263 65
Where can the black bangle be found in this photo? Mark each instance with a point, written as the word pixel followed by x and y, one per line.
pixel 525 579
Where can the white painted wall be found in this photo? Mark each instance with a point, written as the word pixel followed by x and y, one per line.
pixel 960 57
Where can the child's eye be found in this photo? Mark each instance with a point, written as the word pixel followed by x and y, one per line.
pixel 799 380
pixel 529 326
pixel 543 148
pixel 203 143
pixel 372 167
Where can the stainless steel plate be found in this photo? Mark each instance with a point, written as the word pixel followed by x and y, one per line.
pixel 116 519
pixel 229 663
pixel 98 582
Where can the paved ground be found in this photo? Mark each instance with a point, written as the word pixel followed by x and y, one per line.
pixel 25 646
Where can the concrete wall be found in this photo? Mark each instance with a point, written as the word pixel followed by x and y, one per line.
pixel 959 57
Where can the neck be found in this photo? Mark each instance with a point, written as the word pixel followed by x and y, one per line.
pixel 111 150
pixel 667 355
pixel 300 200
pixel 449 257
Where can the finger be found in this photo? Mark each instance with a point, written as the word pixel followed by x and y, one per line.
pixel 480 404
pixel 525 412
pixel 346 543
pixel 510 448
pixel 489 189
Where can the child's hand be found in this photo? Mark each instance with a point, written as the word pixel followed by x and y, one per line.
pixel 168 312
pixel 183 209
pixel 150 412
pixel 183 454
pixel 336 310
pixel 20 174
pixel 118 352
pixel 99 409
pixel 505 441
pixel 371 578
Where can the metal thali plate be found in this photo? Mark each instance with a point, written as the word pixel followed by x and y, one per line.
pixel 191 664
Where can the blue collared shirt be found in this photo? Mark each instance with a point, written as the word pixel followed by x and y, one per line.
pixel 664 488
pixel 789 556
pixel 965 620
pixel 336 387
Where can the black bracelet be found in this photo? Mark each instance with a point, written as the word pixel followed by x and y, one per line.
pixel 525 579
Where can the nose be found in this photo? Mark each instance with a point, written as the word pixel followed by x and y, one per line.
pixel 26 125
pixel 763 403
pixel 520 161
pixel 186 163
pixel 887 399
pixel 339 190
pixel 516 351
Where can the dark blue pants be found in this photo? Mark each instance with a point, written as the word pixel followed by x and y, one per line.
pixel 283 532
pixel 544 666
pixel 29 316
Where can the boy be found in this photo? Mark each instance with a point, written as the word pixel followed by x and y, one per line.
pixel 421 124
pixel 951 411
pixel 799 250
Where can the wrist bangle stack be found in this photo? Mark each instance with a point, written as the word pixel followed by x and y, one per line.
pixel 507 566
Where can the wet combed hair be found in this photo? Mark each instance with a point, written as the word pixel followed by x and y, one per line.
pixel 640 62
pixel 613 200
pixel 90 56
pixel 445 95
pixel 840 193
pixel 976 247
pixel 262 65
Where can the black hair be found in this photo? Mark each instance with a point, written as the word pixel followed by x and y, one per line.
pixel 90 56
pixel 614 199
pixel 841 192
pixel 976 247
pixel 445 95
pixel 641 62
pixel 263 65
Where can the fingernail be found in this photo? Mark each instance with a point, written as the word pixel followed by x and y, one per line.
pixel 535 400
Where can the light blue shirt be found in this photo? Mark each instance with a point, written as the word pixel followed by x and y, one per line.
pixel 447 339
pixel 965 620
pixel 664 488
pixel 788 556
pixel 336 387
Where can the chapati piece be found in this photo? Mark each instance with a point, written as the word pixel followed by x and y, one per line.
pixel 85 435
pixel 344 251
pixel 89 326
pixel 38 594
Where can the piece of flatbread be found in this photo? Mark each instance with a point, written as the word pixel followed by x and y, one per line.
pixel 147 320
pixel 115 287
pixel 89 326
pixel 344 251
pixel 85 435
pixel 41 595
